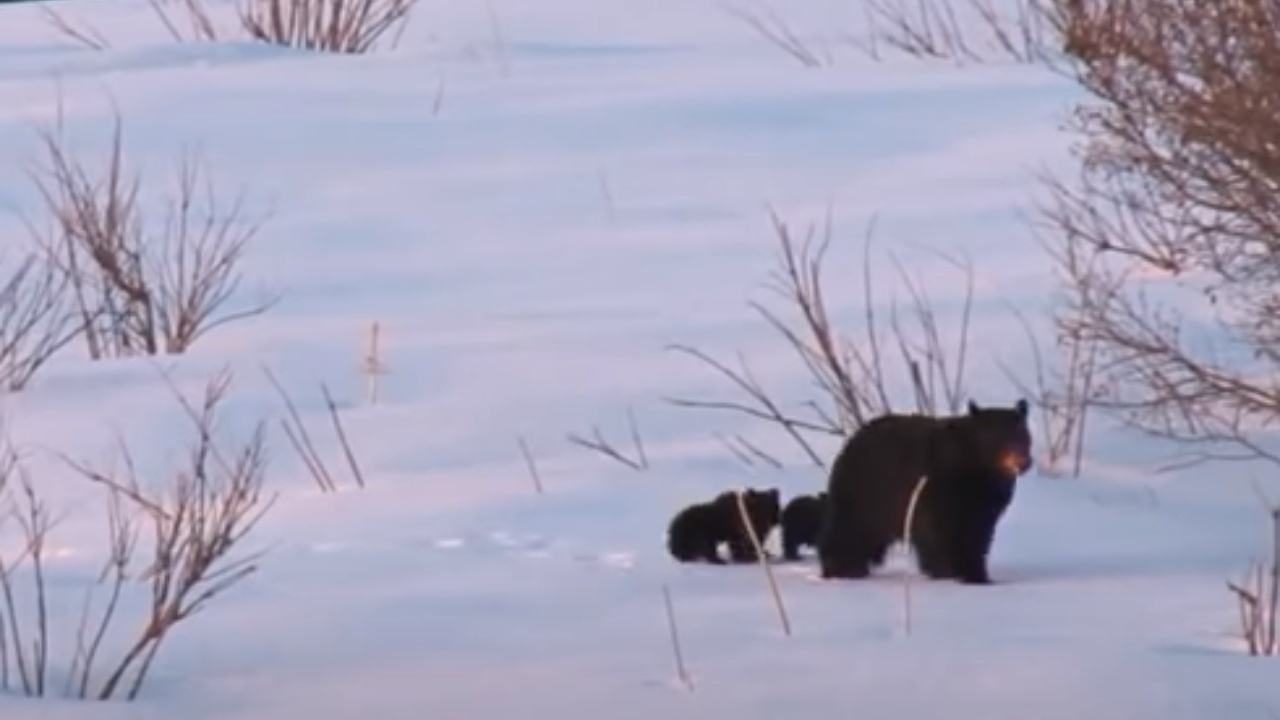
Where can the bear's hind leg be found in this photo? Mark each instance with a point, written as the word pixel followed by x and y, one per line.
pixel 709 551
pixel 934 554
pixel 742 550
pixel 850 557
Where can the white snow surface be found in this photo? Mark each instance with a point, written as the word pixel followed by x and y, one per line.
pixel 535 198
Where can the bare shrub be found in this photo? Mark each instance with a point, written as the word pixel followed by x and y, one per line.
pixel 1258 596
pixel 1169 242
pixel 141 287
pixel 854 380
pixel 342 26
pixel 36 320
pixel 197 518
pixel 339 26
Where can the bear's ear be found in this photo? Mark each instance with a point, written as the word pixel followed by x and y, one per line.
pixel 1022 407
pixel 973 408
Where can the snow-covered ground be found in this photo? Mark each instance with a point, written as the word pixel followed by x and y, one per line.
pixel 534 198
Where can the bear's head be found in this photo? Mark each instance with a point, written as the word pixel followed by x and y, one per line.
pixel 764 507
pixel 1001 437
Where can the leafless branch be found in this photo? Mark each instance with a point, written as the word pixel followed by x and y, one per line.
pixel 597 443
pixel 773 28
pixel 83 34
pixel 36 321
pixel 965 31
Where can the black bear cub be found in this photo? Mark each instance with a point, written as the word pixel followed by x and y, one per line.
pixel 972 463
pixel 697 531
pixel 801 520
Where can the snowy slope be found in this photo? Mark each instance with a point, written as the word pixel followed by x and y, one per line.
pixel 533 198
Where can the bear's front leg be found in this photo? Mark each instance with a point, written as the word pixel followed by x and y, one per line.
pixel 743 551
pixel 972 546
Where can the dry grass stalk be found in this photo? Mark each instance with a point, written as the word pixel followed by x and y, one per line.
pixel 140 288
pixel 682 673
pixel 532 466
pixel 763 558
pixel 598 444
pixel 908 525
pixel 36 321
pixel 341 26
pixel 1167 244
pixel 352 465
pixel 295 431
pixel 372 367
pixel 852 378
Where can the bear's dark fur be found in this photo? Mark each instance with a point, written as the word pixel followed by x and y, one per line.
pixel 801 520
pixel 972 463
pixel 697 531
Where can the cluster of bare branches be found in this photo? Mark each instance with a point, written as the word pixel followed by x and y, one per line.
pixel 340 26
pixel 296 431
pixel 36 320
pixel 344 26
pixel 854 380
pixel 1169 242
pixel 963 31
pixel 1258 596
pixel 140 287
pixel 597 443
pixel 23 655
pixel 197 518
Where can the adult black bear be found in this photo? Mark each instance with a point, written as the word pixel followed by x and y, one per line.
pixel 697 531
pixel 972 463
pixel 801 520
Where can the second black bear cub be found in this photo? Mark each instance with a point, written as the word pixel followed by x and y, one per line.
pixel 801 519
pixel 972 463
pixel 697 531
